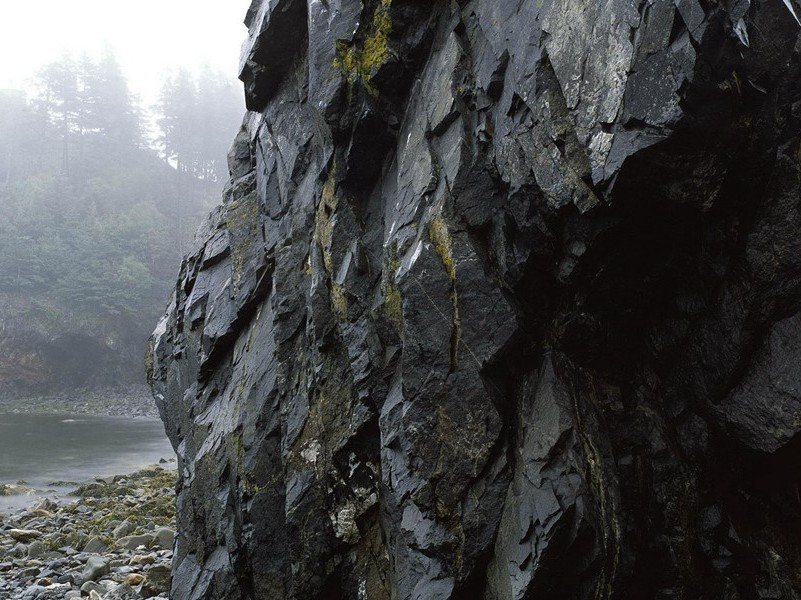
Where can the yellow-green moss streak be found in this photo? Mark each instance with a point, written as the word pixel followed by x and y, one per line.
pixel 597 477
pixel 245 479
pixel 240 393
pixel 329 419
pixel 323 224
pixel 238 446
pixel 324 236
pixel 251 486
pixel 393 304
pixel 241 215
pixel 361 63
pixel 443 244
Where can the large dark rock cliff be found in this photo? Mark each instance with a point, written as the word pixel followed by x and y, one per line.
pixel 503 301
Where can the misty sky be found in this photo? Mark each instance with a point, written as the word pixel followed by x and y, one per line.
pixel 148 36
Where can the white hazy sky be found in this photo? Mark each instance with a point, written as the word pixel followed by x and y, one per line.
pixel 149 37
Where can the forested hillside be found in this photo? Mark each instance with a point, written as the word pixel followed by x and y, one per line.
pixel 98 199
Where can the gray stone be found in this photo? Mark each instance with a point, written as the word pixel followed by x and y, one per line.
pixel 92 586
pixel 36 549
pixel 157 581
pixel 95 546
pixel 122 592
pixel 24 536
pixel 95 567
pixel 164 538
pixel 123 529
pixel 132 542
pixel 764 410
pixel 11 489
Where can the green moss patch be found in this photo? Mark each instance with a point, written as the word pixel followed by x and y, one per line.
pixel 360 62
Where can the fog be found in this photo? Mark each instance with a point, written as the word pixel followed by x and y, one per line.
pixel 149 37
pixel 115 123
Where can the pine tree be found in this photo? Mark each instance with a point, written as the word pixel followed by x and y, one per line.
pixel 178 106
pixel 59 101
pixel 113 111
pixel 218 104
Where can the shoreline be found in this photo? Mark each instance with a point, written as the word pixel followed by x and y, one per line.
pixel 113 539
pixel 134 402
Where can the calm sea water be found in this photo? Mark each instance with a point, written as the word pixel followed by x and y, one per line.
pixel 42 449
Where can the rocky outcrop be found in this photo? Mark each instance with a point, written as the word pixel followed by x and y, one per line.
pixel 502 302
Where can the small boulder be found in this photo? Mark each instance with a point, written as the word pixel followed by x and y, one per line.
pixel 15 489
pixel 95 546
pixel 39 592
pixel 157 581
pixel 122 592
pixel 96 567
pixel 24 536
pixel 123 529
pixel 36 549
pixel 165 538
pixel 76 539
pixel 92 489
pixel 132 542
pixel 47 505
pixel 134 579
pixel 35 591
pixel 91 586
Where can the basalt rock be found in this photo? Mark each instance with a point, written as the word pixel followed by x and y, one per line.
pixel 502 302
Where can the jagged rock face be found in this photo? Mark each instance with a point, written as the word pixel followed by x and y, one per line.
pixel 502 302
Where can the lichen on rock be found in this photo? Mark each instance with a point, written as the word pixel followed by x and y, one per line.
pixel 359 62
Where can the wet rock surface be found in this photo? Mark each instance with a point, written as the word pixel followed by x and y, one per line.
pixel 502 302
pixel 56 551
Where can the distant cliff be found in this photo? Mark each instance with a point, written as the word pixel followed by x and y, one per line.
pixel 43 352
pixel 502 301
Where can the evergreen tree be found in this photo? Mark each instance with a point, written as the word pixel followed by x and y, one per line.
pixel 58 101
pixel 111 109
pixel 178 105
pixel 92 221
pixel 16 120
pixel 197 116
pixel 221 112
